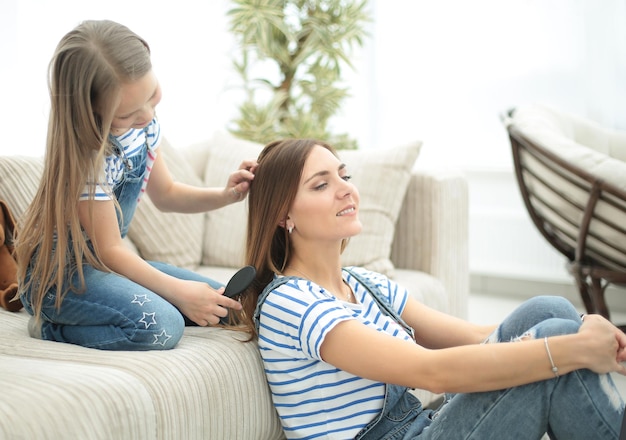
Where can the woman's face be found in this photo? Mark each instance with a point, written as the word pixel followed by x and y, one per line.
pixel 138 100
pixel 325 208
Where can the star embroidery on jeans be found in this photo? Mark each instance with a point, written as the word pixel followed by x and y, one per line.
pixel 161 338
pixel 151 321
pixel 140 299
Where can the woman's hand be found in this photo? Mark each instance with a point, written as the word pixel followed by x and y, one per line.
pixel 238 183
pixel 606 345
pixel 202 304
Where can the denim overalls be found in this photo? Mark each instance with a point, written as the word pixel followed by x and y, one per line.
pixel 578 405
pixel 113 312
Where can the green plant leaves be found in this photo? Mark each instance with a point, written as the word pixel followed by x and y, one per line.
pixel 307 42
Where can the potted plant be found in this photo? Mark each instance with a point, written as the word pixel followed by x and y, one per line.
pixel 290 61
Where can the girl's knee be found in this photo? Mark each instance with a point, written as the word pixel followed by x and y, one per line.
pixel 163 334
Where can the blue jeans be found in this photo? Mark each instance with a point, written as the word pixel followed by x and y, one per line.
pixel 578 405
pixel 113 312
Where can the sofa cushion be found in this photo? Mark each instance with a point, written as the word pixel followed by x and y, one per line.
pixel 211 386
pixel 19 180
pixel 225 239
pixel 66 387
pixel 167 236
pixel 381 175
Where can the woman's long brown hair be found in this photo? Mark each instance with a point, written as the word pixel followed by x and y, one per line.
pixel 272 193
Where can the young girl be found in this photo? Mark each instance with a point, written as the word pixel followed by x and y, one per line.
pixel 342 346
pixel 76 277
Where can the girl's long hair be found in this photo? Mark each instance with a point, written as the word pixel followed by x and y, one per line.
pixel 89 66
pixel 272 192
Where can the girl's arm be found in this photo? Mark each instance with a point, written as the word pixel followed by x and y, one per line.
pixel 169 195
pixel 434 329
pixel 365 352
pixel 197 300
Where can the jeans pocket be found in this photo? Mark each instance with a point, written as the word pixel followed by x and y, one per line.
pixel 408 405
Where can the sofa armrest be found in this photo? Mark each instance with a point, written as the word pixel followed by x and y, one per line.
pixel 432 232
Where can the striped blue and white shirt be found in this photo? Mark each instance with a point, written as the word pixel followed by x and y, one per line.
pixel 133 142
pixel 313 398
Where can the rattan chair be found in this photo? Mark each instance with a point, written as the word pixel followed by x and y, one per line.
pixel 572 175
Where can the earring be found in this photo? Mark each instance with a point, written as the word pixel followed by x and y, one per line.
pixel 290 229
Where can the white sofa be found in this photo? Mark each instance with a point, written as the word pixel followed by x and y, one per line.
pixel 212 386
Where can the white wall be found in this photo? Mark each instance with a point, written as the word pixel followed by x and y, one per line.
pixel 439 71
pixel 190 46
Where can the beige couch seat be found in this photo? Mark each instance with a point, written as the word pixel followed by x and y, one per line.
pixel 212 385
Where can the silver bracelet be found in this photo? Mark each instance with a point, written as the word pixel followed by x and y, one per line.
pixel 555 370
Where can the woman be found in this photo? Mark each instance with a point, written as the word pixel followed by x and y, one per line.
pixel 339 365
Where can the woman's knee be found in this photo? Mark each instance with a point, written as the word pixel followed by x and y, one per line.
pixel 554 327
pixel 535 312
pixel 544 307
pixel 555 306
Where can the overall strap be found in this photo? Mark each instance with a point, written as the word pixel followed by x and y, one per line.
pixel 382 302
pixel 271 286
pixel 374 291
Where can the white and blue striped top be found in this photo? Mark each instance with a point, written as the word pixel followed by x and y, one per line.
pixel 313 398
pixel 133 142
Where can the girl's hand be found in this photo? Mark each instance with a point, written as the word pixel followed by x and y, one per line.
pixel 238 183
pixel 202 304
pixel 606 345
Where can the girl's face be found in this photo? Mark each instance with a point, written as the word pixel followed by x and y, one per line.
pixel 137 102
pixel 326 205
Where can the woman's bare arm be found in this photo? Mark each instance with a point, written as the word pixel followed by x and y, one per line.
pixel 365 352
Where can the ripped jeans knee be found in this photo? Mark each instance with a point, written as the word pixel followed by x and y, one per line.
pixel 536 318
